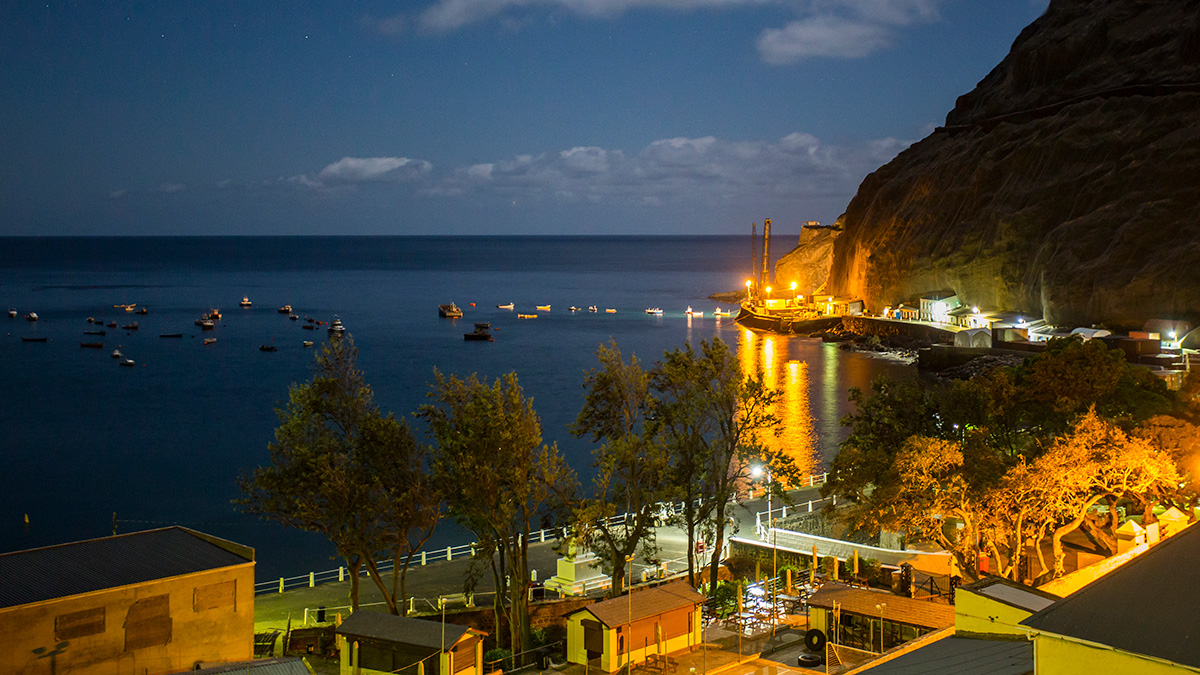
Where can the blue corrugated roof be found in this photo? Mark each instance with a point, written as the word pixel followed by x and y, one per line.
pixel 41 574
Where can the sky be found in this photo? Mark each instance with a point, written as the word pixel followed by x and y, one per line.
pixel 528 117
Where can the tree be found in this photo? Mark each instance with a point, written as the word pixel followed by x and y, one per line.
pixel 630 463
pixel 497 477
pixel 342 469
pixel 713 416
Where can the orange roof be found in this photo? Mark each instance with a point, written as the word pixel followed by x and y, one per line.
pixel 642 604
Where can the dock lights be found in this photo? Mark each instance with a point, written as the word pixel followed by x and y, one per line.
pixel 768 290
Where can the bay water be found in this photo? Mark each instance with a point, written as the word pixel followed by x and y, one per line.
pixel 163 442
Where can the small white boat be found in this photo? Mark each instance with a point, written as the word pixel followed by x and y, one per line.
pixel 116 354
pixel 654 310
pixel 129 309
pixel 128 363
pixel 32 316
pixel 592 308
pixel 245 301
pixel 294 317
pixel 12 313
pixel 722 312
pixel 508 306
pixel 527 316
pixel 610 311
pixel 693 312
pixel 543 308
pixel 572 308
pixel 209 341
pixel 307 343
pixel 286 309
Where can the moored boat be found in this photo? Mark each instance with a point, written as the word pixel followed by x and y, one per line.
pixel 336 327
pixel 245 301
pixel 693 312
pixel 572 308
pixel 507 306
pixel 209 341
pixel 116 354
pixel 294 317
pixel 95 332
pixel 654 310
pixel 450 311
pixel 112 324
pixel 308 326
pixel 307 343
pixel 482 333
pixel 286 309
pixel 143 311
pixel 32 316
pixel 527 316
pixel 266 348
pixel 130 326
pixel 92 345
pixel 722 312
pixel 610 311
pixel 543 308
pixel 592 308
pixel 128 363
pixel 33 339
pixel 170 335
pixel 12 313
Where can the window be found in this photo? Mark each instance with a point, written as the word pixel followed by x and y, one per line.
pixel 215 596
pixel 148 623
pixel 79 624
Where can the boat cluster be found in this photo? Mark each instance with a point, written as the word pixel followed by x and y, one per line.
pixel 482 331
pixel 207 321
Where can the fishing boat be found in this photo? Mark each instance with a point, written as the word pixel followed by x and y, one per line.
pixel 592 308
pixel 572 308
pixel 245 302
pixel 116 354
pixel 308 326
pixel 610 311
pixel 170 335
pixel 450 311
pixel 722 312
pixel 527 316
pixel 286 309
pixel 214 314
pixel 654 310
pixel 336 327
pixel 143 311
pixel 309 319
pixel 92 345
pixel 482 333
pixel 508 306
pixel 209 341
pixel 112 324
pixel 693 312
pixel 128 363
pixel 32 316
pixel 130 326
pixel 33 339
pixel 266 348
pixel 294 317
pixel 307 343
pixel 543 308
pixel 205 324
pixel 95 332
pixel 125 306
pixel 91 320
pixel 12 313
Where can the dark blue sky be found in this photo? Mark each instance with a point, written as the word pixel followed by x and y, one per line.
pixel 470 116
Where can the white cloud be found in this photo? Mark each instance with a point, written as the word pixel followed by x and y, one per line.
pixel 354 170
pixel 821 28
pixel 695 170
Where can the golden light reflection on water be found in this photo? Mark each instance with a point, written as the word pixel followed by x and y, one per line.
pixel 767 355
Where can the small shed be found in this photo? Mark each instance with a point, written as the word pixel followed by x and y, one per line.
pixel 630 629
pixel 374 642
pixel 873 621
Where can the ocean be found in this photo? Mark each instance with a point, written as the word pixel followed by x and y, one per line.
pixel 163 442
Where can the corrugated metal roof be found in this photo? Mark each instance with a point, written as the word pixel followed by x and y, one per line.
pixel 41 574
pixel 650 602
pixel 1012 593
pixel 922 613
pixel 289 665
pixel 402 630
pixel 962 656
pixel 1146 606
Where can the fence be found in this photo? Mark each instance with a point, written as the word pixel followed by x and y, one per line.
pixel 762 519
pixel 664 510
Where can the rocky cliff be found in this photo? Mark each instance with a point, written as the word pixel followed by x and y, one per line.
pixel 1066 184
pixel 808 263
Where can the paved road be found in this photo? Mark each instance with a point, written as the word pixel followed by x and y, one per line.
pixel 431 581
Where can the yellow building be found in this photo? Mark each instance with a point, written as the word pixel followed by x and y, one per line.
pixel 374 642
pixel 630 629
pixel 144 603
pixel 870 620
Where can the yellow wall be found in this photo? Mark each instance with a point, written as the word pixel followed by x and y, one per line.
pixel 613 658
pixel 348 658
pixel 1053 655
pixel 975 613
pixel 223 633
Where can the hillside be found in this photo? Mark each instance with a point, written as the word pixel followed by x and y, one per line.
pixel 1066 184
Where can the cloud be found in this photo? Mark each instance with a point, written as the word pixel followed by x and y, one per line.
pixel 676 170
pixel 821 28
pixel 349 171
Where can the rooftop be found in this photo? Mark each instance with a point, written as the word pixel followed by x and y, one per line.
pixel 1146 606
pixel 642 604
pixel 41 574
pixel 403 630
pixel 896 608
pixel 962 656
pixel 1012 593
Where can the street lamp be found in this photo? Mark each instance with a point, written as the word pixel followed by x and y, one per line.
pixel 629 592
pixel 880 607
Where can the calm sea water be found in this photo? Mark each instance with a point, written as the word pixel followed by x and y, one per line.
pixel 164 442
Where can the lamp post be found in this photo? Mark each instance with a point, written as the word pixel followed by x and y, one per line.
pixel 793 292
pixel 880 607
pixel 629 592
pixel 749 283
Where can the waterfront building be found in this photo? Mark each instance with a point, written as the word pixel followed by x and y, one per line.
pixel 935 306
pixel 374 642
pixel 636 627
pixel 150 603
pixel 869 620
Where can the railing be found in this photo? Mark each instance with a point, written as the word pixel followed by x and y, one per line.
pixel 762 519
pixel 811 480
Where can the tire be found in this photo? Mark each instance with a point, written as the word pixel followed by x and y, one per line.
pixel 814 640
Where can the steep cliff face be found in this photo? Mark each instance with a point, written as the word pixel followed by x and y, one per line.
pixel 1067 183
pixel 807 264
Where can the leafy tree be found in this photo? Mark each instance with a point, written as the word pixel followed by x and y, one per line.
pixel 342 469
pixel 498 479
pixel 712 418
pixel 630 463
